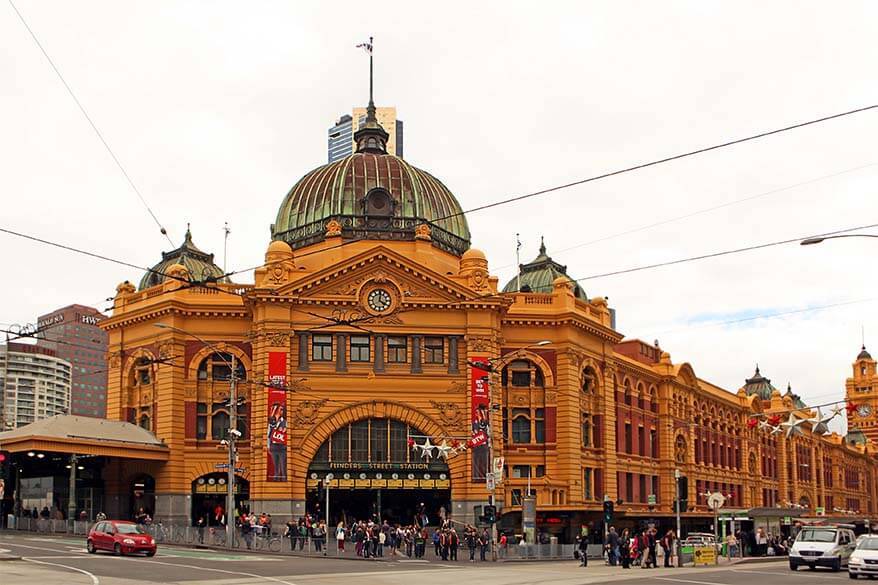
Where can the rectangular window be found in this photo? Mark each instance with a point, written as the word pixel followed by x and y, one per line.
pixel 586 430
pixel 520 425
pixel 642 486
pixel 398 442
pixel 516 497
pixel 655 487
pixel 540 425
pixel 321 348
pixel 520 471
pixel 588 483
pixel 360 441
pixel 541 470
pixel 653 444
pixel 201 421
pixel 397 350
pixel 521 379
pixel 340 445
pixel 641 441
pixel 629 486
pixel 360 347
pixel 628 441
pixel 434 350
pixel 378 442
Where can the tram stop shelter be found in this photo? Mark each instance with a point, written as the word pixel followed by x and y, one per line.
pixel 107 465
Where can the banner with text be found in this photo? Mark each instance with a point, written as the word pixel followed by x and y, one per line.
pixel 276 469
pixel 481 420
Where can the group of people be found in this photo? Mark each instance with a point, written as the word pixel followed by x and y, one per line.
pixel 759 543
pixel 640 547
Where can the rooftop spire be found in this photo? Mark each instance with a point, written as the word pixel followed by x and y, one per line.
pixel 371 137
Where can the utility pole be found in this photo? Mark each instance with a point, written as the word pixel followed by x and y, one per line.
pixel 71 504
pixel 233 435
pixel 677 507
pixel 326 481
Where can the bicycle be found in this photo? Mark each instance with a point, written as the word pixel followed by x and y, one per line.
pixel 272 542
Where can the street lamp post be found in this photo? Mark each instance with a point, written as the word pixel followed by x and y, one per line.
pixel 233 431
pixel 820 239
pixel 677 475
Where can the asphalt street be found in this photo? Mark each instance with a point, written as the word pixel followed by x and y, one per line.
pixel 48 560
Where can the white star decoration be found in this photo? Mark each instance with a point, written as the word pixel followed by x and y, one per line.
pixel 820 423
pixel 838 410
pixel 444 449
pixel 426 449
pixel 765 426
pixel 793 425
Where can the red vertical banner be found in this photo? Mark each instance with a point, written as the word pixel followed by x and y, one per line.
pixel 276 439
pixel 480 416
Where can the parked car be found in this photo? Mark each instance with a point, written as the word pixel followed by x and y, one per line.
pixel 822 546
pixel 701 539
pixel 120 537
pixel 864 560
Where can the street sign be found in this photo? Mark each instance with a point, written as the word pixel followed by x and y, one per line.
pixel 489 481
pixel 715 501
pixel 704 555
pixel 226 466
pixel 651 500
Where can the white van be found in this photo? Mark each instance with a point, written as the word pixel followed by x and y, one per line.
pixel 822 546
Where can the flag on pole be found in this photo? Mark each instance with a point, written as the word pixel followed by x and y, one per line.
pixel 366 47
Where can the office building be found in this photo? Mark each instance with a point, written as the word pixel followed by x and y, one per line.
pixel 72 332
pixel 34 384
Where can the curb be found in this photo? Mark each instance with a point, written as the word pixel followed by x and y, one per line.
pixel 9 558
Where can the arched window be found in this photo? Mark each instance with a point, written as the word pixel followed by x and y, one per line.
pixel 219 424
pixel 373 440
pixel 680 449
pixel 141 373
pixel 220 420
pixel 627 393
pixel 379 203
pixel 217 367
pixel 144 422
pixel 521 425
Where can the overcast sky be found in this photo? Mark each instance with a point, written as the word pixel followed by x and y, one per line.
pixel 216 109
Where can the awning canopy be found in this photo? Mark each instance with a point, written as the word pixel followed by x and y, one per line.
pixel 84 435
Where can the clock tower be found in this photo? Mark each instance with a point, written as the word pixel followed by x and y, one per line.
pixel 862 390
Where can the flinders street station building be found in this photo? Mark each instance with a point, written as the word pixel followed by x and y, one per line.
pixel 377 365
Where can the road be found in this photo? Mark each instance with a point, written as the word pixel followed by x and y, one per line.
pixel 64 561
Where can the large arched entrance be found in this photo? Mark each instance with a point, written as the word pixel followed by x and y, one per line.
pixel 375 474
pixel 141 496
pixel 209 493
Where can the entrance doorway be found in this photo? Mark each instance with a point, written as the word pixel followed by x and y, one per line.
pixel 142 498
pixel 397 506
pixel 209 494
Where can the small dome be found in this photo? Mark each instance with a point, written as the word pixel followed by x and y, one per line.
pixel 199 264
pixel 279 247
pixel 797 400
pixel 473 254
pixel 759 385
pixel 540 274
pixel 856 437
pixel 864 355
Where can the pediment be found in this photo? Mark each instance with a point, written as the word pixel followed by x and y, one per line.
pixel 381 266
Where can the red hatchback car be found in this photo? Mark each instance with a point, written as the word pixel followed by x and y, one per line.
pixel 120 537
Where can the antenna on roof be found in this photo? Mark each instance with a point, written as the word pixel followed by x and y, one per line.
pixel 517 262
pixel 226 232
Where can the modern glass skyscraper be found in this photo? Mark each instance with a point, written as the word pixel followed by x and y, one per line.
pixel 341 135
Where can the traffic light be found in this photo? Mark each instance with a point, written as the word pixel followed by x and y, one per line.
pixel 682 494
pixel 608 511
pixel 490 514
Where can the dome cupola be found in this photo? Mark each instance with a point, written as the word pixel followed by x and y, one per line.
pixel 759 385
pixel 200 265
pixel 539 275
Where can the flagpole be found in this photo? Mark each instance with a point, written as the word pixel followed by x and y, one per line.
pixel 371 49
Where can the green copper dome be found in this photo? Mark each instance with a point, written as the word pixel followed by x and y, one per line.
pixel 371 195
pixel 759 385
pixel 539 274
pixel 199 264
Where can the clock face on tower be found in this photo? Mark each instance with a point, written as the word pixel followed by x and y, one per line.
pixel 379 300
pixel 864 410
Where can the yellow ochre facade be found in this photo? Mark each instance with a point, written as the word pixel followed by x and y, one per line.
pixel 373 300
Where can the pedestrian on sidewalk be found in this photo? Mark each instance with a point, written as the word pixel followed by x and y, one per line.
pixel 625 549
pixel 339 536
pixel 583 551
pixel 669 546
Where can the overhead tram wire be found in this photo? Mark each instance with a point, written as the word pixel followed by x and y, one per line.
pixel 660 161
pixel 717 254
pixel 94 127
pixel 704 210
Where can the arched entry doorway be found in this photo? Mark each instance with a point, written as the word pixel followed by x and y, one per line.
pixel 142 495
pixel 376 474
pixel 209 494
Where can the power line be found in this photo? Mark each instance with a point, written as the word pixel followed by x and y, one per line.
pixel 91 123
pixel 717 254
pixel 706 210
pixel 658 162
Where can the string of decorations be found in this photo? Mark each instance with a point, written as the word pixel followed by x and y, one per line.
pixel 447 447
pixel 774 423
